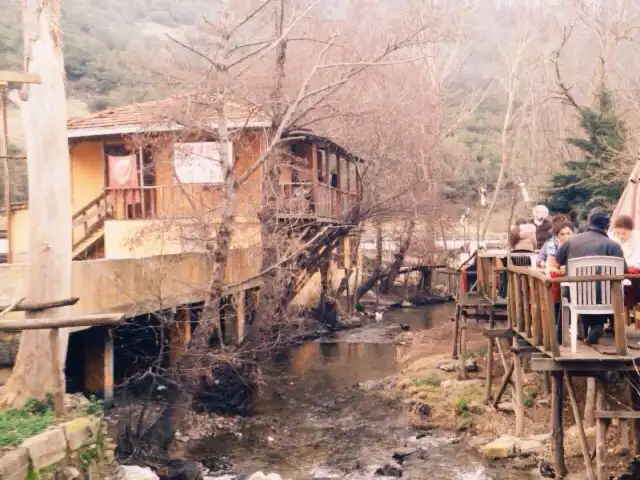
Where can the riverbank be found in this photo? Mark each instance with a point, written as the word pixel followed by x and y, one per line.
pixel 429 387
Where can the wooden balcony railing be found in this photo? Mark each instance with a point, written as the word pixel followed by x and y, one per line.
pixel 314 199
pixel 531 308
pixel 162 201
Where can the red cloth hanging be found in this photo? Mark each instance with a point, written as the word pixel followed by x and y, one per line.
pixel 124 179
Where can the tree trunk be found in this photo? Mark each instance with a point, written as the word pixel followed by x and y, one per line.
pixel 192 364
pixel 377 269
pixel 44 116
pixel 394 269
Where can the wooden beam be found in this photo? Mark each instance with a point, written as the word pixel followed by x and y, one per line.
pixel 619 322
pixel 584 446
pixel 18 77
pixel 612 365
pixel 616 414
pixel 519 386
pixel 498 333
pixel 47 323
pixel 503 385
pixel 38 307
pixel 58 385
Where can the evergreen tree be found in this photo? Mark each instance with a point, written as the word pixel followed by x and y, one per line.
pixel 591 181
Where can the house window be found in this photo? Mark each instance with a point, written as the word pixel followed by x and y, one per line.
pixel 198 162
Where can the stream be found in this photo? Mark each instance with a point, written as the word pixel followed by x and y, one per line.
pixel 312 423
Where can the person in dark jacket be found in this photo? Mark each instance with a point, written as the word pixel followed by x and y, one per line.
pixel 594 241
pixel 543 225
pixel 577 225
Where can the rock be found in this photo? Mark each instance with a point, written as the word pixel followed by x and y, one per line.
pixel 524 463
pixel 71 473
pixel 406 304
pixel 542 437
pixel 448 367
pixel 470 365
pixel 405 327
pixel 15 464
pixel 543 402
pixel 134 472
pixel 506 407
pixel 184 470
pixel 401 455
pixel 75 401
pixel 46 448
pixel 503 447
pixel 546 470
pixel 389 470
pixel 530 447
pixel 81 431
pixel 322 472
pixel 262 476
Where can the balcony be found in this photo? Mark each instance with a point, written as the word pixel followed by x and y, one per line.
pixel 315 201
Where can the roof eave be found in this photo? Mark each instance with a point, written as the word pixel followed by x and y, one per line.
pixel 140 129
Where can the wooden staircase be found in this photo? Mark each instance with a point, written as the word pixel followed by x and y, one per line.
pixel 88 227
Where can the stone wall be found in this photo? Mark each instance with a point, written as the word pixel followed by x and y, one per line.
pixel 76 449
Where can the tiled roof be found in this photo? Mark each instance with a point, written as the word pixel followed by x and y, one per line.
pixel 189 109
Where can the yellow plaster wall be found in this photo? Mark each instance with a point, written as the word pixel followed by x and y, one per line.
pixel 137 285
pixel 87 173
pixel 19 241
pixel 144 238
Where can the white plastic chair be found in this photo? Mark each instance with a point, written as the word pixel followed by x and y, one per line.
pixel 591 297
pixel 523 259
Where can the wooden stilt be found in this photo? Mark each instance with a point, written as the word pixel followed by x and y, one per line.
pixel 601 434
pixel 591 475
pixel 625 426
pixel 456 329
pixel 463 349
pixel 635 404
pixel 503 386
pixel 519 393
pixel 487 393
pixel 590 403
pixel 546 381
pixel 557 431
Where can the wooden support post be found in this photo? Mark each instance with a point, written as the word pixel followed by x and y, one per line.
pixel 546 381
pixel 456 329
pixel 583 438
pixel 526 299
pixel 487 393
pixel 619 322
pixel 514 284
pixel 590 403
pixel 58 383
pixel 601 434
pixel 519 393
pixel 625 426
pixel 635 404
pixel 98 356
pixel 240 311
pixel 557 431
pixel 463 349
pixel 179 333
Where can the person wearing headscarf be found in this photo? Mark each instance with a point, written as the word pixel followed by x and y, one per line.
pixel 594 242
pixel 543 225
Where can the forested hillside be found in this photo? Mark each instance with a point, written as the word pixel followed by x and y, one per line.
pixel 103 42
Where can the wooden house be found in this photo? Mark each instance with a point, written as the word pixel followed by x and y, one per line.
pixel 145 182
pixel 145 192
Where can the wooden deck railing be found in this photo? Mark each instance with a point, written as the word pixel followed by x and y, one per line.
pixel 309 198
pixel 531 308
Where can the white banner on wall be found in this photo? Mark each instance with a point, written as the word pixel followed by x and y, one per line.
pixel 198 162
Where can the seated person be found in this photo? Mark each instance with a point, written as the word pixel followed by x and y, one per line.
pixel 594 241
pixel 628 238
